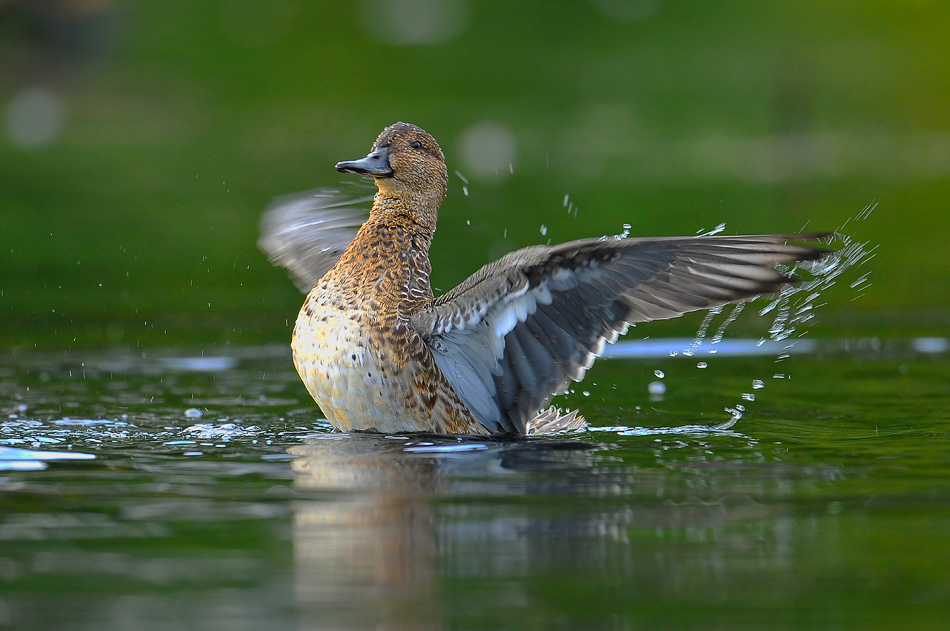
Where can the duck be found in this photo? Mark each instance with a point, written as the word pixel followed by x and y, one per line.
pixel 378 352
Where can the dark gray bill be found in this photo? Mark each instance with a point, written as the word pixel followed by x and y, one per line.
pixel 376 164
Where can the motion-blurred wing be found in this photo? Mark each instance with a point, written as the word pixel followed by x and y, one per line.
pixel 307 232
pixel 520 329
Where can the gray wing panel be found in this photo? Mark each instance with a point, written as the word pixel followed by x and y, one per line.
pixel 308 232
pixel 519 330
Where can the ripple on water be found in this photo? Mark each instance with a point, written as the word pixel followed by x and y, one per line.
pixel 13 459
pixel 222 431
pixel 66 431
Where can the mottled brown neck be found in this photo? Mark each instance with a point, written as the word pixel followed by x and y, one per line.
pixel 386 268
pixel 416 213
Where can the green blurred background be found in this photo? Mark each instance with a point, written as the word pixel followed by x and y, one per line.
pixel 142 140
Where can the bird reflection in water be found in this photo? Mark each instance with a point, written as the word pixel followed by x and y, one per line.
pixel 364 541
pixel 408 532
pixel 365 531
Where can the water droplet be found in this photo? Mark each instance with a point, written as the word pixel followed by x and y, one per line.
pixel 720 228
pixel 736 413
pixel 659 374
pixel 656 387
pixel 544 230
pixel 748 396
pixel 586 393
pixel 701 365
pixel 757 384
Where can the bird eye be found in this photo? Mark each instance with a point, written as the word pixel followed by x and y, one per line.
pixel 415 144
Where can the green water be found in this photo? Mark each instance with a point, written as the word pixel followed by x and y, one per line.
pixel 144 334
pixel 135 222
pixel 825 507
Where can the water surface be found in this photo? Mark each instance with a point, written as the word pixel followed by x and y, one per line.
pixel 202 490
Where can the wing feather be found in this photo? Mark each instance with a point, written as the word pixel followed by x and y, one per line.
pixel 308 232
pixel 520 329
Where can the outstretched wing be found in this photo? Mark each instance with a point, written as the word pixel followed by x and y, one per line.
pixel 308 232
pixel 520 329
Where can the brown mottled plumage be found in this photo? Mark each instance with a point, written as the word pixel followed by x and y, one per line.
pixel 354 344
pixel 378 353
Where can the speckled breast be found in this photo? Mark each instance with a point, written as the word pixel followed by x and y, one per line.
pixel 346 381
pixel 368 376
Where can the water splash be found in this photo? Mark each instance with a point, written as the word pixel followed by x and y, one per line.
pixel 701 333
pixel 223 431
pixel 617 237
pixel 65 432
pixel 793 309
pixel 720 228
pixel 736 311
pixel 465 180
pixel 571 206
pixel 795 304
pixel 695 431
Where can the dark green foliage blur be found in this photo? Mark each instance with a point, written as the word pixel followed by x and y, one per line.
pixel 175 123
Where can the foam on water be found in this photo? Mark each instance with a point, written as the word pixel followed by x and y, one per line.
pixel 682 430
pixel 65 431
pixel 223 431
